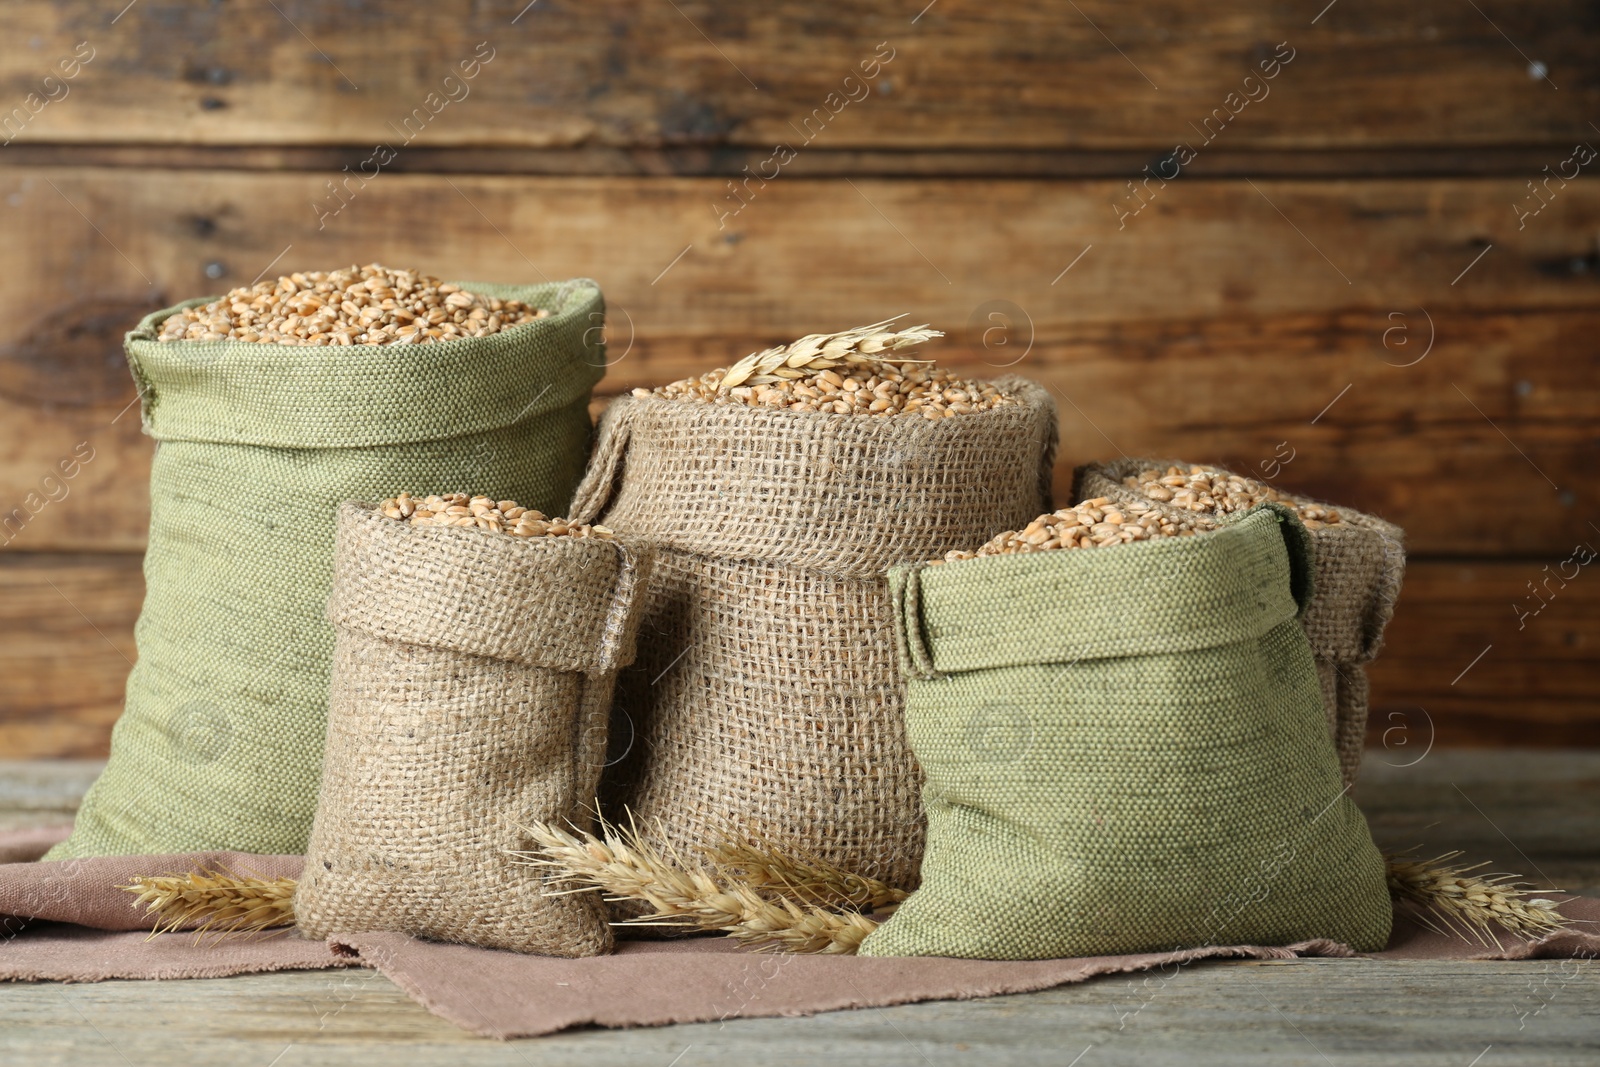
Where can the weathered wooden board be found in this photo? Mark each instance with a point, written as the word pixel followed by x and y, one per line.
pixel 1499 653
pixel 799 249
pixel 1359 1012
pixel 1414 473
pixel 951 74
pixel 45 792
pixel 66 645
pixel 1536 814
pixel 1517 161
pixel 1206 326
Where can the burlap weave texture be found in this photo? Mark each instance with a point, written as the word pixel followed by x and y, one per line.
pixel 765 698
pixel 220 741
pixel 471 682
pixel 1125 752
pixel 1360 563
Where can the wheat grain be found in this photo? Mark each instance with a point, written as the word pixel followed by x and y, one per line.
pixel 1096 523
pixel 1218 492
pixel 626 868
pixel 369 305
pixel 861 389
pixel 1458 902
pixel 218 901
pixel 485 513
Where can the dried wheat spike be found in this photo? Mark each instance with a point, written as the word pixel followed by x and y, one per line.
pixel 1468 904
pixel 795 874
pixel 824 351
pixel 626 868
pixel 219 902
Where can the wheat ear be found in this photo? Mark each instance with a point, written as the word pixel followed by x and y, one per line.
pixel 627 868
pixel 823 351
pixel 798 875
pixel 1467 904
pixel 218 901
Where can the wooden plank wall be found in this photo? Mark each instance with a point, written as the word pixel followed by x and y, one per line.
pixel 1366 238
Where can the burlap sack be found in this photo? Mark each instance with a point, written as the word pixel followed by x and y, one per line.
pixel 1120 759
pixel 220 742
pixel 766 698
pixel 472 675
pixel 1359 566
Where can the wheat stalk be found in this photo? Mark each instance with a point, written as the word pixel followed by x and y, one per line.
pixel 823 351
pixel 797 875
pixel 1467 904
pixel 624 867
pixel 218 901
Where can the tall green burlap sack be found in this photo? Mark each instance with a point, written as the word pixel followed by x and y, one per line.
pixel 1125 752
pixel 1360 562
pixel 220 742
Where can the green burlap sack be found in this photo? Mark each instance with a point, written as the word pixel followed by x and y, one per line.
pixel 1360 562
pixel 1125 752
pixel 220 742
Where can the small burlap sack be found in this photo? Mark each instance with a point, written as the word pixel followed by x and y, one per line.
pixel 765 698
pixel 1125 752
pixel 472 676
pixel 220 740
pixel 1360 563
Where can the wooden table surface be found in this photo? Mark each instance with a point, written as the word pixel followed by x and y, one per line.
pixel 1535 813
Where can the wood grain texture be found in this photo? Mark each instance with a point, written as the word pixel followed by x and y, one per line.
pixel 1535 680
pixel 1206 326
pixel 43 792
pixel 964 74
pixel 1536 813
pixel 1361 1012
pixel 682 161
pixel 66 645
pixel 1348 271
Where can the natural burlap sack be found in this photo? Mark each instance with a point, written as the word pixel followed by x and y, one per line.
pixel 765 698
pixel 1360 562
pixel 1125 752
pixel 472 678
pixel 220 742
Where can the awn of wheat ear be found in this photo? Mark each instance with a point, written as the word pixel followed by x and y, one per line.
pixel 1453 900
